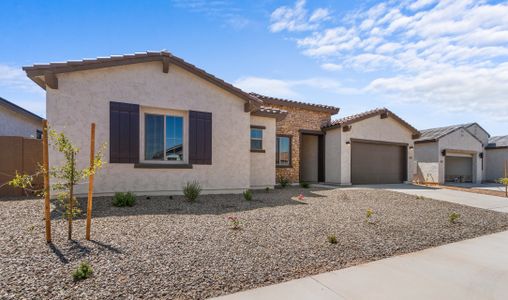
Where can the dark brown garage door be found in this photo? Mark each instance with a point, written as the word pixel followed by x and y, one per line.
pixel 376 163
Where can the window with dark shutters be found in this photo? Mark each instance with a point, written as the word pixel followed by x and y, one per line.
pixel 123 132
pixel 200 138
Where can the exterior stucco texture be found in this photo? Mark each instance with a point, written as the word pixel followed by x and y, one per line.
pixel 83 97
pixel 16 124
pixel 375 129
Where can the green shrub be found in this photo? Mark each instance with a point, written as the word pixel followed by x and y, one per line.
pixel 82 272
pixel 267 189
pixel 192 190
pixel 283 181
pixel 453 217
pixel 369 213
pixel 305 185
pixel 332 239
pixel 247 194
pixel 420 197
pixel 124 199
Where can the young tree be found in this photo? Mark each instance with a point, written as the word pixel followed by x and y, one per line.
pixel 64 177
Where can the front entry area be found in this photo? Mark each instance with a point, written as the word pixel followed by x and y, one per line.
pixel 311 157
pixel 378 162
pixel 459 168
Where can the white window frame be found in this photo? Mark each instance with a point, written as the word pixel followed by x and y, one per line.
pixel 164 112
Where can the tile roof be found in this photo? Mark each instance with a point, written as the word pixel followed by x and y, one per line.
pixel 439 132
pixel 267 111
pixel 33 72
pixel 365 115
pixel 19 109
pixel 280 101
pixel 498 142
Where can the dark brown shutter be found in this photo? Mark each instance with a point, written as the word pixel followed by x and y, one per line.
pixel 123 132
pixel 200 138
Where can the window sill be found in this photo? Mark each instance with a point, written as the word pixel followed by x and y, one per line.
pixel 283 166
pixel 257 150
pixel 162 166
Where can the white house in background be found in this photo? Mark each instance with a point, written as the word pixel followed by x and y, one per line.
pixel 369 148
pixel 17 121
pixel 451 154
pixel 165 122
pixel 497 156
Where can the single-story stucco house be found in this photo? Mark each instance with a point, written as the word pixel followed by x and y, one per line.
pixel 17 121
pixel 372 147
pixel 497 156
pixel 451 154
pixel 165 123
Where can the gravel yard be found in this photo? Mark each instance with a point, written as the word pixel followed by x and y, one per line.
pixel 169 248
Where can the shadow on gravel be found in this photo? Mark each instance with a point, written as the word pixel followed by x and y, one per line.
pixel 107 247
pixel 204 205
pixel 58 253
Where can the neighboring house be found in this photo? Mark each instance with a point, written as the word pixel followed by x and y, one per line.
pixel 497 156
pixel 300 140
pixel 17 121
pixel 165 123
pixel 369 148
pixel 451 154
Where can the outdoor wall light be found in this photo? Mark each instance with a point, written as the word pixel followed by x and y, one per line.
pixel 348 143
pixel 480 154
pixel 411 147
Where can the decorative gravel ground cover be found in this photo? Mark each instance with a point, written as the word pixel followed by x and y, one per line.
pixel 169 248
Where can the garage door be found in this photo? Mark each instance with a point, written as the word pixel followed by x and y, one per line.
pixel 375 163
pixel 458 169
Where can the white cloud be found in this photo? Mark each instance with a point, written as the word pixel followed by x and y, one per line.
pixel 331 67
pixel 450 53
pixel 15 78
pixel 297 18
pixel 289 88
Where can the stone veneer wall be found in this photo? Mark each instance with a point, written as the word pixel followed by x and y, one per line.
pixel 296 119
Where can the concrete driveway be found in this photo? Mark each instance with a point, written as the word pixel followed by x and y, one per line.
pixel 470 269
pixel 465 198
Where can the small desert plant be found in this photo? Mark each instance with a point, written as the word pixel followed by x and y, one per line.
pixel 247 195
pixel 124 199
pixel 283 181
pixel 332 239
pixel 369 213
pixel 267 189
pixel 234 222
pixel 304 184
pixel 191 190
pixel 82 272
pixel 420 197
pixel 504 181
pixel 453 217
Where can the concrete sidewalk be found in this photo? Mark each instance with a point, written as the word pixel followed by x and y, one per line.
pixel 470 269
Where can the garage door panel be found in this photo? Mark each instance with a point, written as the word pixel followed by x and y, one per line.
pixel 373 163
pixel 458 168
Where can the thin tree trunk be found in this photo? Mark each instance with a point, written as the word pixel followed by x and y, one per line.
pixel 71 195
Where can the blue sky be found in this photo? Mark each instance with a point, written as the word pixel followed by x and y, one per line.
pixel 432 62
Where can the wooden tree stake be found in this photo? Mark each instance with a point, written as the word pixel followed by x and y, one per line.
pixel 506 176
pixel 71 200
pixel 90 182
pixel 45 165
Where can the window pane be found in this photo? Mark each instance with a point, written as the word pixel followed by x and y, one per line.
pixel 256 144
pixel 256 133
pixel 174 138
pixel 154 137
pixel 283 154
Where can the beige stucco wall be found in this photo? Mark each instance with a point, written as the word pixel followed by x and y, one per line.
pixel 461 140
pixel 374 129
pixel 332 156
pixel 15 124
pixel 262 165
pixel 495 163
pixel 479 133
pixel 427 162
pixel 83 97
pixel 309 157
